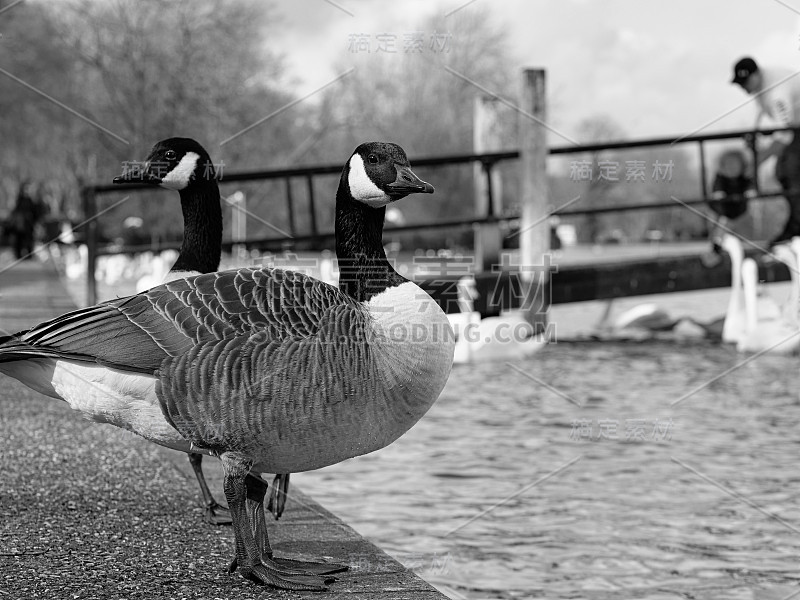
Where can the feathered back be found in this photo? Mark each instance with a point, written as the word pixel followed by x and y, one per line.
pixel 139 332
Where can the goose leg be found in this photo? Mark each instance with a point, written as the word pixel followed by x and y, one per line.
pixel 253 564
pixel 256 492
pixel 280 491
pixel 216 514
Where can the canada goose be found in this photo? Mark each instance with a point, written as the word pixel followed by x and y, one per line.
pixel 183 164
pixel 506 337
pixel 267 369
pixel 775 335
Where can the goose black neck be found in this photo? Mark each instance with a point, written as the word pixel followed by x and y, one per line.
pixel 202 229
pixel 364 270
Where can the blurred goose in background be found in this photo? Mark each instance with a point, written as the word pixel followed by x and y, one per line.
pixel 772 334
pixel 506 337
pixel 271 370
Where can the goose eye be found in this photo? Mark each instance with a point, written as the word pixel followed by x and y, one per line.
pixel 170 155
pixel 372 159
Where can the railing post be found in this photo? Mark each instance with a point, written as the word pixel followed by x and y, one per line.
pixel 752 141
pixel 238 202
pixel 290 206
pixel 90 231
pixel 703 172
pixel 486 138
pixel 534 223
pixel 312 208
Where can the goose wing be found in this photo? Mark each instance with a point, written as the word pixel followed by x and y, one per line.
pixel 139 332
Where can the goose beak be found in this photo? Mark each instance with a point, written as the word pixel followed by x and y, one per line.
pixel 407 183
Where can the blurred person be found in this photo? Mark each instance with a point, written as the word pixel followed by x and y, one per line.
pixel 777 93
pixel 733 187
pixel 23 220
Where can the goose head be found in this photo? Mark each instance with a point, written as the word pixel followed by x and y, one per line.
pixel 379 173
pixel 375 175
pixel 176 164
pixel 182 164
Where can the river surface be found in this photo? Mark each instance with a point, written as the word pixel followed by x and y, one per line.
pixel 575 474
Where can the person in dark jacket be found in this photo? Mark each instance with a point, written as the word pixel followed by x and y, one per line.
pixel 22 221
pixel 733 187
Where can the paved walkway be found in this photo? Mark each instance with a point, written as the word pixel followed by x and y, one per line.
pixel 91 511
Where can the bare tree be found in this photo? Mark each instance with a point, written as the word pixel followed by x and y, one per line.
pixel 95 83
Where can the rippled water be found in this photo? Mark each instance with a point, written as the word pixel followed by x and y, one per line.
pixel 693 500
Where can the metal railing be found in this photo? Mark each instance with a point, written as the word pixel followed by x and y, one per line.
pixel 488 162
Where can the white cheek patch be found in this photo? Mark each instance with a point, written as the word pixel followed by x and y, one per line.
pixel 181 175
pixel 362 188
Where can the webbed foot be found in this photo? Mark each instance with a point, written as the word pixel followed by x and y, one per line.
pixel 269 572
pixel 300 567
pixel 317 568
pixel 216 514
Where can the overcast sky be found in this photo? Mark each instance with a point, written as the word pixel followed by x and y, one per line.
pixel 656 68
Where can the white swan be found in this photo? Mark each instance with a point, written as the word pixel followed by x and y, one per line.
pixel 506 337
pixel 791 311
pixel 773 335
pixel 639 322
pixel 735 322
pixel 465 322
pixel 649 317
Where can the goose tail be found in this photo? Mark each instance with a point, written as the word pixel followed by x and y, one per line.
pixel 13 349
pixel 10 347
pixel 18 360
